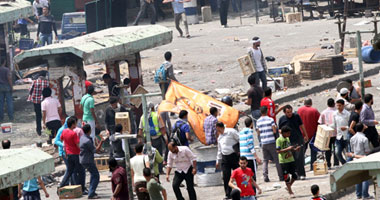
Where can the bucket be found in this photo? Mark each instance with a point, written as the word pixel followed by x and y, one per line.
pixel 370 55
pixel 6 128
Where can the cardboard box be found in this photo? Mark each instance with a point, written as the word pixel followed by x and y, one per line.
pixel 70 192
pixel 320 168
pixel 246 65
pixel 123 119
pixel 137 101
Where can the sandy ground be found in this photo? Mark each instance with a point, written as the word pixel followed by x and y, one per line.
pixel 208 61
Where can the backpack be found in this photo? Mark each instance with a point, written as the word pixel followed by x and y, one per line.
pixel 160 75
pixel 152 128
pixel 177 136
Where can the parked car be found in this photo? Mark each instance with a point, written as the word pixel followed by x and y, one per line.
pixel 73 25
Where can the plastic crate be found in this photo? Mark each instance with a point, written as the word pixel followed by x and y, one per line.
pixel 26 44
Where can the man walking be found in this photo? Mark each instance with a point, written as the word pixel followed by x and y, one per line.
pixel 266 129
pixel 35 96
pixel 360 146
pixel 46 25
pixel 258 62
pixel 86 158
pixel 165 74
pixel 138 163
pixel 179 14
pixel 38 5
pixel 367 117
pixel 119 181
pixel 87 104
pixel 6 92
pixel 270 104
pixel 186 167
pixel 255 95
pixel 209 126
pixel 294 121
pixel 51 111
pixel 226 157
pixel 144 4
pixel 341 118
pixel 182 127
pixel 72 150
pixel 327 118
pixel 244 178
pixel 309 117
pixel 223 12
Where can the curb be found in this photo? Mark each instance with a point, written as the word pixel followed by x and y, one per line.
pixel 325 85
pixel 340 193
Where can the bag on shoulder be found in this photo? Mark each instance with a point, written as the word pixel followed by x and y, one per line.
pixel 160 75
pixel 152 128
pixel 177 136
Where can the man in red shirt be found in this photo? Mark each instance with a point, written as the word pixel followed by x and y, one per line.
pixel 243 176
pixel 72 150
pixel 269 103
pixel 309 117
pixel 119 181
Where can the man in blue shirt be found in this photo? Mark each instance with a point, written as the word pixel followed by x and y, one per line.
pixel 184 128
pixel 86 159
pixel 179 13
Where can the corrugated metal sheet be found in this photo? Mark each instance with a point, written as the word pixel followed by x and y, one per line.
pixel 19 165
pixel 355 172
pixel 13 10
pixel 109 44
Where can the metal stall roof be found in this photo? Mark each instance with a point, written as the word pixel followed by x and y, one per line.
pixel 14 10
pixel 355 172
pixel 19 165
pixel 109 44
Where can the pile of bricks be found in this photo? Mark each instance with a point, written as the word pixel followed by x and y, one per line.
pixel 292 80
pixel 326 66
pixel 311 70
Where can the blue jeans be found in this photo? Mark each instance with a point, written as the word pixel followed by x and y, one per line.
pixel 362 189
pixel 261 76
pixel 236 5
pixel 72 178
pixel 6 94
pixel 94 179
pixel 349 146
pixel 46 38
pixel 339 146
pixel 248 198
pixel 256 114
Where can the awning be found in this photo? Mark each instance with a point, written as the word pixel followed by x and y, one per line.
pixel 13 10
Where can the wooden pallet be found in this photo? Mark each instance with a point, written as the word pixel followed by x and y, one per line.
pixel 102 163
pixel 322 138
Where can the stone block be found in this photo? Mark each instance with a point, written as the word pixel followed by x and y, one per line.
pixel 206 14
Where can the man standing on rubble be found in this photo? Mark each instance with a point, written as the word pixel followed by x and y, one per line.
pixel 35 96
pixel 258 62
pixel 46 25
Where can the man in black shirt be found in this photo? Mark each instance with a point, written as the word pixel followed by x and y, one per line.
pixel 113 90
pixel 255 94
pixel 294 121
pixel 355 118
pixel 46 25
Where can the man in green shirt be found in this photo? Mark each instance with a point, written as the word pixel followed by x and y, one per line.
pixel 285 156
pixel 153 187
pixel 87 105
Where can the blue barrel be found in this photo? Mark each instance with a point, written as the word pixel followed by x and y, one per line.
pixel 191 12
pixel 370 55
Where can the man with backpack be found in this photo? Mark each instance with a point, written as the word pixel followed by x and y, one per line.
pixel 165 73
pixel 156 129
pixel 181 130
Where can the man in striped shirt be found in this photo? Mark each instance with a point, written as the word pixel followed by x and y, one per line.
pixel 247 145
pixel 266 130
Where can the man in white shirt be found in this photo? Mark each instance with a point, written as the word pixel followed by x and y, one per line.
pixel 138 163
pixel 38 5
pixel 340 124
pixel 186 167
pixel 226 156
pixel 258 62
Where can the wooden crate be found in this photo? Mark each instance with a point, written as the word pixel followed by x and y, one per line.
pixel 320 168
pixel 70 192
pixel 322 138
pixel 292 80
pixel 123 119
pixel 246 65
pixel 102 163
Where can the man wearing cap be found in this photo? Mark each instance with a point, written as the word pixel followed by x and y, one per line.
pixel 258 62
pixel 156 129
pixel 344 93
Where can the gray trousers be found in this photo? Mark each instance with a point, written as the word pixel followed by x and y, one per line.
pixel 177 19
pixel 143 7
pixel 269 153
